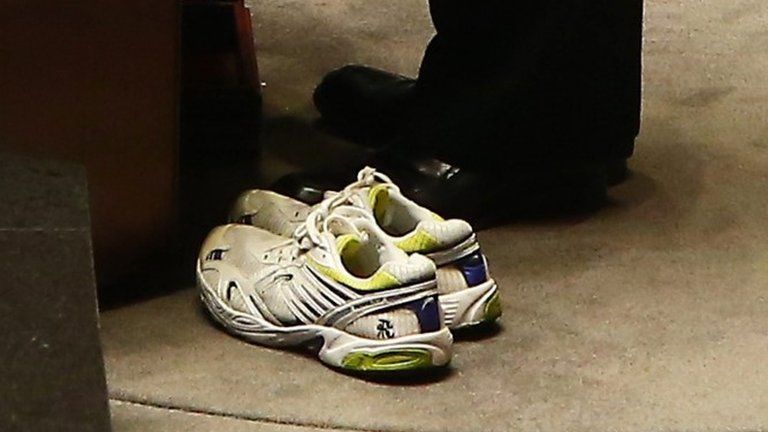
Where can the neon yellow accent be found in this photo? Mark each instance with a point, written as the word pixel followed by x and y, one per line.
pixel 492 308
pixel 437 217
pixel 348 245
pixel 378 281
pixel 388 361
pixel 378 196
pixel 420 241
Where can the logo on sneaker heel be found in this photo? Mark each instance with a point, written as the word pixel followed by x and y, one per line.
pixel 385 329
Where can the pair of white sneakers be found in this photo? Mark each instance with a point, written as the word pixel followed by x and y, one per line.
pixel 375 278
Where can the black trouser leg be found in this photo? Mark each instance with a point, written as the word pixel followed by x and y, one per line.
pixel 509 81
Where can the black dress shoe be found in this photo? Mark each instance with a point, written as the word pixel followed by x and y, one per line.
pixel 369 106
pixel 520 108
pixel 484 198
pixel 544 83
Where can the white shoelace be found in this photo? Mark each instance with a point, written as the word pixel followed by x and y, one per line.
pixel 323 215
pixel 308 234
pixel 367 177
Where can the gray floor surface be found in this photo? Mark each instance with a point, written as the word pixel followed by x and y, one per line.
pixel 650 315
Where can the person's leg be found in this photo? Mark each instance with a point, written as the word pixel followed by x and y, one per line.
pixel 530 79
pixel 530 103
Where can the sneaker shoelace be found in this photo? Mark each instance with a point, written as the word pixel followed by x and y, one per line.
pixel 309 234
pixel 366 178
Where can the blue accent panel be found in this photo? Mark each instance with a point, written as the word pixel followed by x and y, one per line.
pixel 427 312
pixel 473 268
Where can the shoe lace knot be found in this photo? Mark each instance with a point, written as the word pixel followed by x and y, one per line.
pixel 332 215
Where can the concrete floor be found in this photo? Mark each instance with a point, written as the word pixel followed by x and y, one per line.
pixel 650 315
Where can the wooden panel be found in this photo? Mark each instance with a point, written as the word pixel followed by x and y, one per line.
pixel 95 81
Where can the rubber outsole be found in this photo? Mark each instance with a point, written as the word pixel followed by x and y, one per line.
pixel 390 360
pixel 492 309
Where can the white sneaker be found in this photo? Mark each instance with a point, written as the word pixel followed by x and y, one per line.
pixel 339 280
pixel 468 295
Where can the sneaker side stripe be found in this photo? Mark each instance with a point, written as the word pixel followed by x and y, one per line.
pixel 344 314
pixel 308 301
pixel 317 297
pixel 336 288
pixel 327 294
pixel 292 303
